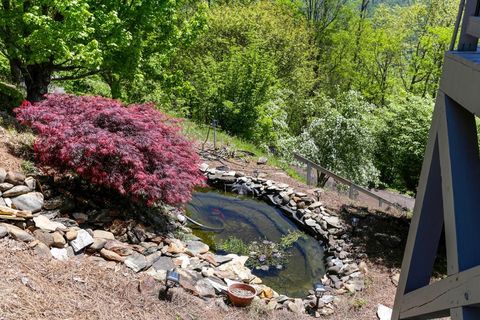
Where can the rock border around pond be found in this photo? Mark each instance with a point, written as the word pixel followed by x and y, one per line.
pixel 345 271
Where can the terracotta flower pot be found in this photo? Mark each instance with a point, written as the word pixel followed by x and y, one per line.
pixel 241 300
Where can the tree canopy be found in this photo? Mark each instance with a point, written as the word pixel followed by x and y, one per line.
pixel 65 40
pixel 350 84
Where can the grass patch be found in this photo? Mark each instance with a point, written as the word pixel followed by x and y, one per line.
pixel 199 132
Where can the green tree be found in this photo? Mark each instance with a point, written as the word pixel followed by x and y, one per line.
pixel 390 50
pixel 401 140
pixel 248 54
pixel 65 40
pixel 341 137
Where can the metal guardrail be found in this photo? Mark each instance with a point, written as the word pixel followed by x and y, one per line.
pixel 352 186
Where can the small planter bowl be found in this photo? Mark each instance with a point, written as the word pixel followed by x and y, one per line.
pixel 241 301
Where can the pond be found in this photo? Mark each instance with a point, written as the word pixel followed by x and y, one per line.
pixel 253 220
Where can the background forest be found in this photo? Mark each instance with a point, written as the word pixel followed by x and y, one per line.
pixel 349 84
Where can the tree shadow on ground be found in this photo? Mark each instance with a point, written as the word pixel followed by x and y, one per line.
pixel 382 237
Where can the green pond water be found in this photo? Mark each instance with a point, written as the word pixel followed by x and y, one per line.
pixel 250 220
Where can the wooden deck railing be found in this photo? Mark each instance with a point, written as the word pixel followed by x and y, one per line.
pixel 352 186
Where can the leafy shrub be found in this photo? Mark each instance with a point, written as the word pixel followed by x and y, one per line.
pixel 134 150
pixel 401 141
pixel 341 137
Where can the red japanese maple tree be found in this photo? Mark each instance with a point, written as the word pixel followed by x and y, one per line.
pixel 134 149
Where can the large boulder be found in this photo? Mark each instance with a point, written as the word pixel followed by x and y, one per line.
pixel 32 201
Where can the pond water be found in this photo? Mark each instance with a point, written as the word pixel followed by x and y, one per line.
pixel 252 220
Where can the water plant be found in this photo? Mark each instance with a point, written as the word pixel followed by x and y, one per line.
pixel 264 254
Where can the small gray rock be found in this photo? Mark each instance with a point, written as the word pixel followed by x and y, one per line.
pixel 327 298
pixel 8 202
pixel 44 223
pixel 262 160
pixel 83 239
pixel 3 231
pixel 16 191
pixel 102 234
pixel 163 263
pixel 18 234
pixel 5 186
pixel 222 259
pixel 31 183
pixel 333 221
pixel 197 247
pixel 204 288
pixel 98 244
pixel 383 312
pixel 3 175
pixel 152 258
pixel 137 262
pixel 310 222
pixel 58 240
pixel 15 178
pixel 44 237
pixel 70 252
pixel 59 254
pixel 42 250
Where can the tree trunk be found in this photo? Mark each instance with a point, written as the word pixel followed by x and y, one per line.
pixel 37 78
pixel 322 179
pixel 113 82
pixel 15 72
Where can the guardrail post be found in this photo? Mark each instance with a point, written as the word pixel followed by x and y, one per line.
pixel 351 192
pixel 309 174
pixel 380 202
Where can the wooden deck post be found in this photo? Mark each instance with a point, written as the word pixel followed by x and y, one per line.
pixel 448 193
pixel 351 192
pixel 309 174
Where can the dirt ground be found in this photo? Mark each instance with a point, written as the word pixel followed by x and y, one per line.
pixel 7 160
pixel 81 289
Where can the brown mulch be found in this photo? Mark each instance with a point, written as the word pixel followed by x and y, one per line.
pixel 363 305
pixel 32 288
pixel 7 160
